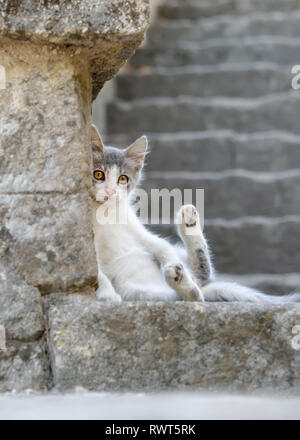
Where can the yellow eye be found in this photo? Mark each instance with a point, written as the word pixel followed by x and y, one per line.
pixel 123 179
pixel 99 175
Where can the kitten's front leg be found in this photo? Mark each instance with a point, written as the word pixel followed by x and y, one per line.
pixel 106 291
pixel 190 231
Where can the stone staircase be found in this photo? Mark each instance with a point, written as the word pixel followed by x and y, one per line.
pixel 212 89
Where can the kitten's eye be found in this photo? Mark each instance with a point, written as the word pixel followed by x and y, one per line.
pixel 99 175
pixel 123 179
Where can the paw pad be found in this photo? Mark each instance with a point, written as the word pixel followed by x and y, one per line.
pixel 189 216
pixel 179 273
pixel 174 272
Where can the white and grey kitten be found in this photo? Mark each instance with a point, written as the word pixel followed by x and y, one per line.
pixel 136 265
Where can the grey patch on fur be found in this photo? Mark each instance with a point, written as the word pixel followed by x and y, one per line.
pixel 202 269
pixel 112 156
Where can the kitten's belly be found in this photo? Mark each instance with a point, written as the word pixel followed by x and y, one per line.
pixel 135 265
pixel 123 258
pixel 131 269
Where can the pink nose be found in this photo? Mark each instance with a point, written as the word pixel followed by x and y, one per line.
pixel 110 191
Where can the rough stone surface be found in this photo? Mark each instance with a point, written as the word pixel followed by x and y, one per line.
pixel 24 363
pixel 55 56
pixel 150 346
pixel 48 239
pixel 97 31
pixel 43 113
pixel 45 166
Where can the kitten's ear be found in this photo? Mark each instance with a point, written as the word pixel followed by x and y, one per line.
pixel 136 152
pixel 97 144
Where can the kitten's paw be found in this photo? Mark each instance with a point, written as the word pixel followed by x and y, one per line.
pixel 188 216
pixel 174 273
pixel 108 295
pixel 189 221
pixel 177 277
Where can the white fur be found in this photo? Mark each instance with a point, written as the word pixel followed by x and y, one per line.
pixel 135 261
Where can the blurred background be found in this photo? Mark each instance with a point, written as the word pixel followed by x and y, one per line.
pixel 212 88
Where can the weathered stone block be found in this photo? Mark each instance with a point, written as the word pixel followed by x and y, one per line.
pixel 150 346
pixel 48 239
pixel 43 145
pixel 23 361
pixel 56 56
pixel 96 31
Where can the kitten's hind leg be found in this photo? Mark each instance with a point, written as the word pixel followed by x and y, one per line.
pixel 181 281
pixel 105 291
pixel 189 229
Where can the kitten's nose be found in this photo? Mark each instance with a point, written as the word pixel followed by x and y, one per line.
pixel 110 191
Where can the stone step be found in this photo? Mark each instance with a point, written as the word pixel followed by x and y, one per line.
pixel 23 361
pixel 195 114
pixel 193 10
pixel 227 26
pixel 233 193
pixel 279 50
pixel 236 80
pixel 250 245
pixel 160 346
pixel 218 151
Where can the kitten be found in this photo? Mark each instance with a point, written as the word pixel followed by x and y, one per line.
pixel 133 263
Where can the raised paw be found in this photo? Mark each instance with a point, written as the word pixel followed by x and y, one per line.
pixel 189 216
pixel 188 221
pixel 174 273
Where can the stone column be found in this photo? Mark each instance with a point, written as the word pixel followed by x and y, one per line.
pixel 57 55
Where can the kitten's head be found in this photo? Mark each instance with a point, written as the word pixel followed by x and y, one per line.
pixel 116 172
